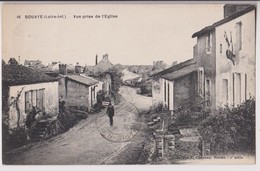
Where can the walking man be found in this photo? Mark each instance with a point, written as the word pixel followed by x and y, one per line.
pixel 110 113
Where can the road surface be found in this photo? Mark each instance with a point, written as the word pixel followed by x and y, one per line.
pixel 93 140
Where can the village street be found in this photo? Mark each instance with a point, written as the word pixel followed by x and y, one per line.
pixel 93 140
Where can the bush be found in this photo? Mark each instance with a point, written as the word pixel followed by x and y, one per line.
pixel 67 120
pixel 231 130
pixel 16 138
pixel 146 87
pixel 116 81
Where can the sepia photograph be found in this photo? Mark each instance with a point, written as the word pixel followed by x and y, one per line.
pixel 129 83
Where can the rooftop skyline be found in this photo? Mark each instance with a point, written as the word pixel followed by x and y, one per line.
pixel 135 33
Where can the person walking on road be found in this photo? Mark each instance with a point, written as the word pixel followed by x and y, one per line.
pixel 110 113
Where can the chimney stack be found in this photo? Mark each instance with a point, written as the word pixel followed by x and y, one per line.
pixel 77 68
pixel 105 56
pixel 96 59
pixel 63 69
pixel 230 9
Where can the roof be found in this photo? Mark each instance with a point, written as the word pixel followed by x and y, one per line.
pixel 103 65
pixel 33 62
pixel 129 75
pixel 174 68
pixel 223 21
pixel 181 72
pixel 21 75
pixel 82 79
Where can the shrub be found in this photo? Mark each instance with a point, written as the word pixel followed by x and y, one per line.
pixel 15 138
pixel 67 119
pixel 231 130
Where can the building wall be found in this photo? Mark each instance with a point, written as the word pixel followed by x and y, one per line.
pixel 185 90
pixel 207 60
pixel 96 88
pixel 63 69
pixel 55 67
pixel 106 83
pixel 157 96
pixel 74 94
pixel 166 94
pixel 244 60
pixel 50 102
pixel 62 88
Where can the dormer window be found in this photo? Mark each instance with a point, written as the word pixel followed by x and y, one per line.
pixel 208 43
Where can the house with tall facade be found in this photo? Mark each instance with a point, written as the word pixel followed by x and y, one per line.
pixel 24 88
pixel 222 70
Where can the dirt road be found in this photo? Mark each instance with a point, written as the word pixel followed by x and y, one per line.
pixel 91 141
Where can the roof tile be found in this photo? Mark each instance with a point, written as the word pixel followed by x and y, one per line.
pixel 20 75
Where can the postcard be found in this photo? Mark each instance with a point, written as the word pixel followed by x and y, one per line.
pixel 128 83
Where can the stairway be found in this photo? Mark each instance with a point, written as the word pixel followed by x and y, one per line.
pixel 159 140
pixel 154 121
pixel 40 131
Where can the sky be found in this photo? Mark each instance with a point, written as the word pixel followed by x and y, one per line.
pixel 140 34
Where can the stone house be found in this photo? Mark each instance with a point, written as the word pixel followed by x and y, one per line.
pixel 222 71
pixel 79 90
pixel 24 88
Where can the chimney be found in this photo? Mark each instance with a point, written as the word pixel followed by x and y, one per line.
pixel 230 9
pixel 63 69
pixel 77 68
pixel 105 56
pixel 96 59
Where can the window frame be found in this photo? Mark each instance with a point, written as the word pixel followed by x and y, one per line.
pixel 31 98
pixel 208 42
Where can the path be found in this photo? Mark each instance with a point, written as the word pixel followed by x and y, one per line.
pixel 91 141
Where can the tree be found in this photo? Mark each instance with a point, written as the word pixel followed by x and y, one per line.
pixel 159 65
pixel 16 102
pixel 13 61
pixel 231 129
pixel 116 82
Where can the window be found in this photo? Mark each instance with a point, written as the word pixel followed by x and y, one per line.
pixel 34 98
pixel 28 101
pixel 201 81
pixel 225 91
pixel 236 88
pixel 238 36
pixel 164 91
pixel 220 48
pixel 208 43
pixel 207 91
pixel 39 99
